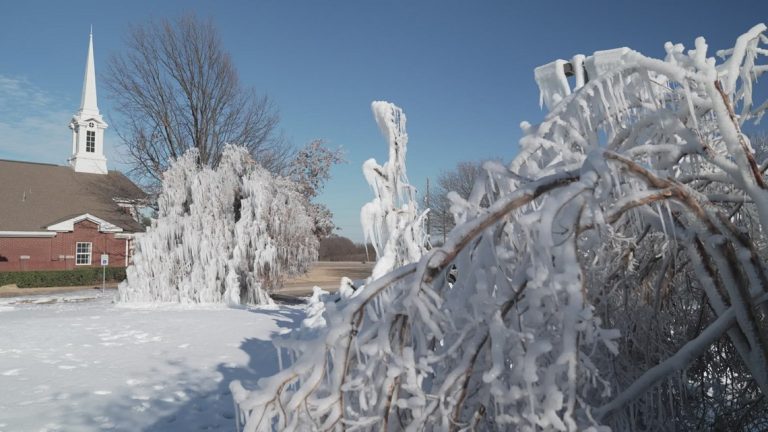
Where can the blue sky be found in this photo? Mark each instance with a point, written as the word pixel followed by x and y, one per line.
pixel 461 70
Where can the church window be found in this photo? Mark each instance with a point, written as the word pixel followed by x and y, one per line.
pixel 83 253
pixel 90 141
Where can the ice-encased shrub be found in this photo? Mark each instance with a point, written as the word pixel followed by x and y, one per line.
pixel 228 234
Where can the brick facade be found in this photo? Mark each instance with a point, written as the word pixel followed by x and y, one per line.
pixel 58 253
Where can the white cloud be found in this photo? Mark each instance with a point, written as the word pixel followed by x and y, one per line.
pixel 33 123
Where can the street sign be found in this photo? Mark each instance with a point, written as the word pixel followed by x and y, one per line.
pixel 104 264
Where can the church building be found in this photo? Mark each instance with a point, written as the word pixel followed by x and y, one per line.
pixel 55 217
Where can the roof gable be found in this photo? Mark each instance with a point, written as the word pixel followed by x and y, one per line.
pixel 69 224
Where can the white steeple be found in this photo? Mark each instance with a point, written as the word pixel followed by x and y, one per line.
pixel 88 99
pixel 88 126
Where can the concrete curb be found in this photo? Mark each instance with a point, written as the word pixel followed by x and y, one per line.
pixel 13 291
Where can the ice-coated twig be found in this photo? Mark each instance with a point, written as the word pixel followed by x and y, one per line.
pixel 681 359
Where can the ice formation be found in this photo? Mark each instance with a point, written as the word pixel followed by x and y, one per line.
pixel 634 206
pixel 223 235
pixel 392 221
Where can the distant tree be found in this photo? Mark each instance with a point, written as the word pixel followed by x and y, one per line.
pixel 334 247
pixel 176 88
pixel 366 252
pixel 460 179
pixel 759 142
pixel 310 169
pixel 339 248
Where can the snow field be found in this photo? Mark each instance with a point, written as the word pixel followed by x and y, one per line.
pixel 92 365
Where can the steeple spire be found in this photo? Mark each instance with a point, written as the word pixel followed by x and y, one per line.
pixel 88 126
pixel 88 100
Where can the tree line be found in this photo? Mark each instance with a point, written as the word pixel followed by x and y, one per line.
pixel 339 248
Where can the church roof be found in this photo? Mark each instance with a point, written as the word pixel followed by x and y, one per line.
pixel 36 195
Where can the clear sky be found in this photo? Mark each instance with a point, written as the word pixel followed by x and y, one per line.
pixel 461 70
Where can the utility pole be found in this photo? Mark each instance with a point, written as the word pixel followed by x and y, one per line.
pixel 443 227
pixel 429 215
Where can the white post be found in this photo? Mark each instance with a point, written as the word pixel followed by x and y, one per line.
pixel 104 264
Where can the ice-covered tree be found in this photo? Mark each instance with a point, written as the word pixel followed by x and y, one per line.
pixel 223 235
pixel 392 221
pixel 616 279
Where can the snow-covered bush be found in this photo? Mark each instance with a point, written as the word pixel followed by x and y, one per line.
pixel 619 246
pixel 223 235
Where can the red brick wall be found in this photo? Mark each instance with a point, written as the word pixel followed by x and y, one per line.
pixel 51 253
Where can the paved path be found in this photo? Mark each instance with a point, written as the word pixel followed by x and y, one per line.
pixel 13 291
pixel 326 275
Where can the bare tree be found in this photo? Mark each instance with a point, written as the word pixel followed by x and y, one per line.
pixel 339 248
pixel 177 88
pixel 336 248
pixel 309 169
pixel 461 180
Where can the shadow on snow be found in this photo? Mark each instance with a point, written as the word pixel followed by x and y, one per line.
pixel 197 402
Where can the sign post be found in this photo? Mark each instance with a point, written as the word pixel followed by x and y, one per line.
pixel 104 264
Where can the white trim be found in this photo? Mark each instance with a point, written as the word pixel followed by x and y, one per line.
pixel 128 237
pixel 18 234
pixel 69 224
pixel 130 201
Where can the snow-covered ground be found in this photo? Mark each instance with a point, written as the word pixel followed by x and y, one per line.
pixel 78 362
